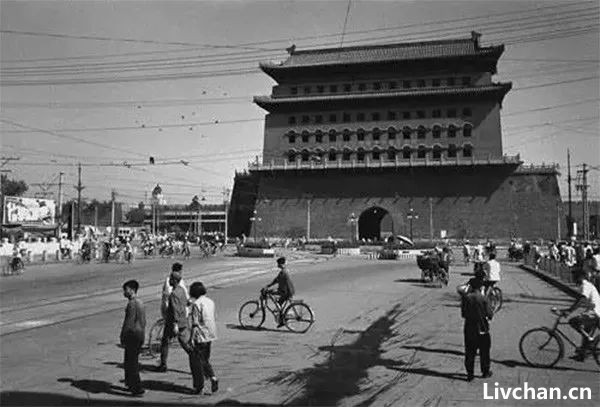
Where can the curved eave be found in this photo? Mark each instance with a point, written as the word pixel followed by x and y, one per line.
pixel 276 70
pixel 270 104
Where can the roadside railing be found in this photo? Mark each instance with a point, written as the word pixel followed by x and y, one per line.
pixel 554 268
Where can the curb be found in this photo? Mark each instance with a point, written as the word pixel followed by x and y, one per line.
pixel 564 287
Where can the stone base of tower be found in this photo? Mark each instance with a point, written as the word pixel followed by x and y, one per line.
pixel 480 201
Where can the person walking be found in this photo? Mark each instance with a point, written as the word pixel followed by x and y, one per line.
pixel 477 313
pixel 203 333
pixel 174 314
pixel 132 336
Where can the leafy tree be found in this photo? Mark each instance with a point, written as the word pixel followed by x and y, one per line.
pixel 11 187
pixel 136 215
pixel 195 204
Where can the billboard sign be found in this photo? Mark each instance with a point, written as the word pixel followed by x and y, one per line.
pixel 29 211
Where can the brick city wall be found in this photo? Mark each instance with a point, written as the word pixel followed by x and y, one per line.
pixel 473 202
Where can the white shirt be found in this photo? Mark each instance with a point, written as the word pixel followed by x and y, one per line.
pixel 492 270
pixel 589 291
pixel 206 323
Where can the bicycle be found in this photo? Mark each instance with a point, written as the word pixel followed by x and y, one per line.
pixel 155 337
pixel 494 296
pixel 297 316
pixel 544 347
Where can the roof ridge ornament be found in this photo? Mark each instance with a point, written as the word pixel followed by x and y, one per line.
pixel 475 36
pixel 291 49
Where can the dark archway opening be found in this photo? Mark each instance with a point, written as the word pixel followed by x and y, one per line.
pixel 375 224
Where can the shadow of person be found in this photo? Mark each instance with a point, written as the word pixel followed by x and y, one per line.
pixel 167 387
pixel 408 280
pixel 144 367
pixel 96 386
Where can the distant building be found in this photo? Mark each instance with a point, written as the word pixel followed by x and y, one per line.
pixel 368 141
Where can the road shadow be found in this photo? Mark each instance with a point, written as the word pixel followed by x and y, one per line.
pixel 28 398
pixel 408 280
pixel 144 367
pixel 346 367
pixel 432 373
pixel 96 386
pixel 508 363
pixel 166 387
pixel 259 329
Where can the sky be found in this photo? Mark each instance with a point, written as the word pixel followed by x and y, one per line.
pixel 110 83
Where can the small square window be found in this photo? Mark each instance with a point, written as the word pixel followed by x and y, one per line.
pixel 376 135
pixel 332 118
pixel 346 156
pixel 294 90
pixel 393 85
pixel 406 115
pixel 451 113
pixel 305 138
pixel 347 87
pixel 362 87
pixel 391 135
pixel 331 156
pixel 333 88
pixel 435 83
pixel 319 118
pixel 450 82
pixel 307 90
pixel 466 80
pixel 346 137
pixel 421 132
pixel 332 138
pixel 452 151
pixel 375 116
pixel 436 113
pixel 391 115
pixel 420 114
pixel 360 136
pixel 376 86
pixel 305 119
pixel 376 155
pixel 292 120
pixel 421 83
pixel 467 151
pixel 421 152
pixel 320 88
pixel 360 117
pixel 467 112
pixel 346 117
pixel 292 139
pixel 319 138
pixel 406 84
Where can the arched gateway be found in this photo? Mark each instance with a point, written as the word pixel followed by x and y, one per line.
pixel 375 223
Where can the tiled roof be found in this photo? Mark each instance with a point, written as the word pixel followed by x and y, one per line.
pixel 384 53
pixel 264 101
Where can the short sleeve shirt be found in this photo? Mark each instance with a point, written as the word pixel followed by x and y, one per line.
pixel 591 294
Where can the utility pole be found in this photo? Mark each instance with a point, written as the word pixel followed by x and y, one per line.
pixel 59 211
pixel 583 187
pixel 308 218
pixel 569 179
pixel 112 211
pixel 431 219
pixel 79 188
pixel 226 202
pixel 95 217
pixel 558 204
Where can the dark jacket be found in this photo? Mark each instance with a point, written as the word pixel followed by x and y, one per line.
pixel 134 324
pixel 285 287
pixel 176 310
pixel 476 311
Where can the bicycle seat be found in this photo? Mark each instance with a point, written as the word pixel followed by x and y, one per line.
pixel 297 301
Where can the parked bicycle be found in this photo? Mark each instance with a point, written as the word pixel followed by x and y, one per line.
pixel 297 315
pixel 155 335
pixel 544 347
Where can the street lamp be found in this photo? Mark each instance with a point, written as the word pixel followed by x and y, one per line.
pixel 254 219
pixel 410 216
pixel 352 221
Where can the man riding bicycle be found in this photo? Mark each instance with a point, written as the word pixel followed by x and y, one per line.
pixel 285 288
pixel 492 272
pixel 585 322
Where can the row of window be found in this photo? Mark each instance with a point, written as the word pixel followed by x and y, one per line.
pixel 406 153
pixel 406 132
pixel 379 85
pixel 376 116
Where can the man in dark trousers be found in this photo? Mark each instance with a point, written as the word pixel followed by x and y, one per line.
pixel 477 313
pixel 132 336
pixel 285 287
pixel 176 321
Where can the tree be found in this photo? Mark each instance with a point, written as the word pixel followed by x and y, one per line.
pixel 11 187
pixel 195 204
pixel 136 216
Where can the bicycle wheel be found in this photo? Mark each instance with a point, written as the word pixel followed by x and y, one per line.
pixel 540 347
pixel 155 336
pixel 298 317
pixel 497 299
pixel 251 315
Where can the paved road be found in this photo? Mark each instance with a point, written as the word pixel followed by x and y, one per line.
pixel 381 338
